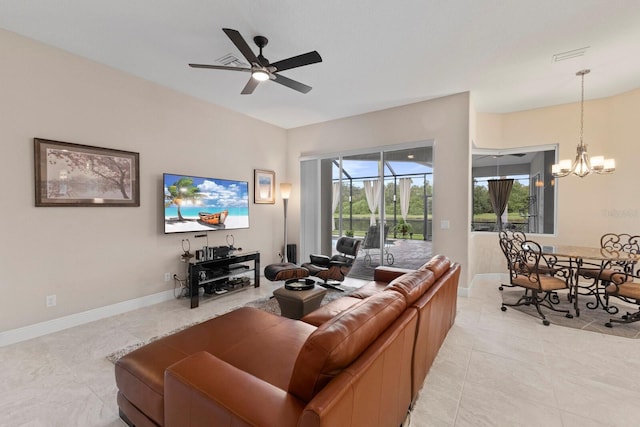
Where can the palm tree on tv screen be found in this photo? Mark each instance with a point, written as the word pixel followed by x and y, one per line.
pixel 181 191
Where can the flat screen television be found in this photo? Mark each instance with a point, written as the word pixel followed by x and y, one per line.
pixel 194 203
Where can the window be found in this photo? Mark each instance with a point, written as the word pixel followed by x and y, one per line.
pixel 530 206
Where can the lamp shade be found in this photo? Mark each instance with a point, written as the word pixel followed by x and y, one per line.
pixel 285 190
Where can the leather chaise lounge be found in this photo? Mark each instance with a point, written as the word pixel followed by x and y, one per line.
pixel 358 361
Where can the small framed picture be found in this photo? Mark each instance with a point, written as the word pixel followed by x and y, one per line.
pixel 69 174
pixel 264 187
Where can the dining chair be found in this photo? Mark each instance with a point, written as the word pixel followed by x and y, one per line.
pixel 548 263
pixel 600 275
pixel 506 239
pixel 524 262
pixel 625 286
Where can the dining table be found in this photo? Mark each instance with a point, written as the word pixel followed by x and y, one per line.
pixel 581 257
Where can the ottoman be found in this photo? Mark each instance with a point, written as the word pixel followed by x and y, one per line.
pixel 294 304
pixel 285 271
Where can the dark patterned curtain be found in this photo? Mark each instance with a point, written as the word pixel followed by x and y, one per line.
pixel 499 191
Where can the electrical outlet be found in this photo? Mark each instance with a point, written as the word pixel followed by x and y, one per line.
pixel 167 277
pixel 51 300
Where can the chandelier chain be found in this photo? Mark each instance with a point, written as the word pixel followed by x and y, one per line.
pixel 582 112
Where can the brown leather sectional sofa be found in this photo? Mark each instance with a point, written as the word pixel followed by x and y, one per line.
pixel 358 361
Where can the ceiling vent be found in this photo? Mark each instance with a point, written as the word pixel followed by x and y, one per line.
pixel 230 60
pixel 563 56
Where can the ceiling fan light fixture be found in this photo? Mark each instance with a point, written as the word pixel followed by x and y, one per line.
pixel 260 75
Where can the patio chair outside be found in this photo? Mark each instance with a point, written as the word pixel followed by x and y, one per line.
pixel 372 241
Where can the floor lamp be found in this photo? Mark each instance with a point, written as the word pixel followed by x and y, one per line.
pixel 285 192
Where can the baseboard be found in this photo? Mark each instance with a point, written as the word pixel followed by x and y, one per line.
pixel 39 329
pixel 43 328
pixel 466 292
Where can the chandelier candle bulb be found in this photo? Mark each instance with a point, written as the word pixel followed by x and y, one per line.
pixel 565 166
pixel 609 165
pixel 597 162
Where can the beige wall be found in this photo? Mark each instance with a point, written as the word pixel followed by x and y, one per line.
pixel 94 257
pixel 587 207
pixel 444 120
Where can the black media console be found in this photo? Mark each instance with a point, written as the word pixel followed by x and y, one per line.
pixel 223 275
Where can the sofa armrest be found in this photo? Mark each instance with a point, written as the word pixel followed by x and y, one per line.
pixel 387 274
pixel 203 390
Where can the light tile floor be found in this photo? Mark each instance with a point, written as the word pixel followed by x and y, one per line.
pixel 494 369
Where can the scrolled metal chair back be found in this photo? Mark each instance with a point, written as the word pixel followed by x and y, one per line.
pixel 529 254
pixel 509 250
pixel 622 242
pixel 510 237
pixel 518 236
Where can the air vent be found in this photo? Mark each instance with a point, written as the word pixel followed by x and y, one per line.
pixel 230 60
pixel 569 54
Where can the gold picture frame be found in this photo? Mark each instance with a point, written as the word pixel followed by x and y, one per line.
pixel 264 186
pixel 68 174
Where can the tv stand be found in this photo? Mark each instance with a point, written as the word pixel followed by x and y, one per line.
pixel 222 276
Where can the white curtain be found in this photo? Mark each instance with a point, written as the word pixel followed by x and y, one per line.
pixel 372 193
pixel 505 215
pixel 334 203
pixel 405 193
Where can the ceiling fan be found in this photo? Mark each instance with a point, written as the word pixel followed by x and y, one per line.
pixel 261 69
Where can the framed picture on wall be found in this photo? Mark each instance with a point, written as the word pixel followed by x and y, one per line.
pixel 264 186
pixel 69 174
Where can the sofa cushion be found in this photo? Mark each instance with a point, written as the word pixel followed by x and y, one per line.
pixel 413 285
pixel 439 264
pixel 339 341
pixel 330 310
pixel 369 289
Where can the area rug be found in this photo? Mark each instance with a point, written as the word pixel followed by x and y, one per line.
pixel 268 304
pixel 589 320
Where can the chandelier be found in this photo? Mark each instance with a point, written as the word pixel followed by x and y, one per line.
pixel 582 165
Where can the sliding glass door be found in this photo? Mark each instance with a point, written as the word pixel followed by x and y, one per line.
pixel 382 197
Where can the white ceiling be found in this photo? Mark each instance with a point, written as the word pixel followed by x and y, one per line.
pixel 376 53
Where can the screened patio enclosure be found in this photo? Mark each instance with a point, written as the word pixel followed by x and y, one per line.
pixel 385 199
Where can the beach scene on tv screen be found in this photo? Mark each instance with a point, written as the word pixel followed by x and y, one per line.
pixel 194 203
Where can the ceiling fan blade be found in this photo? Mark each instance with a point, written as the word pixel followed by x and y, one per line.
pixel 220 67
pixel 242 45
pixel 285 81
pixel 250 86
pixel 297 61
